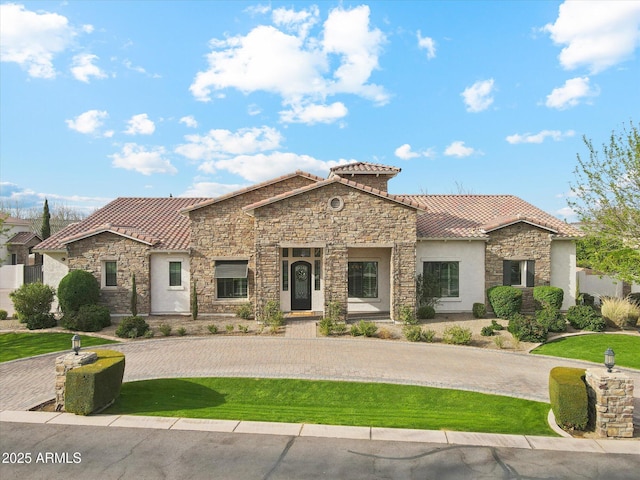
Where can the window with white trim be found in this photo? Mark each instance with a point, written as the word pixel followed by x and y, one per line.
pixel 175 274
pixel 111 273
pixel 363 279
pixel 443 277
pixel 231 278
pixel 518 273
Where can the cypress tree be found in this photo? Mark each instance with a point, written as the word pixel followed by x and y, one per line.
pixel 46 218
pixel 134 296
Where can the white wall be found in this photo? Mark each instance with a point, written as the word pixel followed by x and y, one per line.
pixel 54 268
pixel 11 276
pixel 470 255
pixel 11 230
pixel 599 285
pixel 563 270
pixel 166 299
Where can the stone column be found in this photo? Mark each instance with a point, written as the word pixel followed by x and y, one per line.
pixel 67 362
pixel 610 402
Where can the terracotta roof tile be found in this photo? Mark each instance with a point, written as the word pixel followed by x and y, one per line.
pixel 471 216
pixel 365 168
pixel 22 238
pixel 155 221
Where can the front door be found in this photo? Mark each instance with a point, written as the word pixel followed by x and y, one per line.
pixel 301 291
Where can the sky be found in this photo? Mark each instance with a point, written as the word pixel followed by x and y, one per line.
pixel 106 99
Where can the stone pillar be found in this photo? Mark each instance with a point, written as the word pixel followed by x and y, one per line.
pixel 67 362
pixel 610 402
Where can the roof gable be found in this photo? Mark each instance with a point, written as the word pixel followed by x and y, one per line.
pixel 22 238
pixel 364 168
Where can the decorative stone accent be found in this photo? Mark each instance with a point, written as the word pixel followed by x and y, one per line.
pixel 610 403
pixel 67 362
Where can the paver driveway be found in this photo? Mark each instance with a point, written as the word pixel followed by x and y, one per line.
pixel 28 382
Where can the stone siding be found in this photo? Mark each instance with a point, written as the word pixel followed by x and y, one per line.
pixel 610 403
pixel 378 182
pixel 131 257
pixel 364 221
pixel 521 241
pixel 223 230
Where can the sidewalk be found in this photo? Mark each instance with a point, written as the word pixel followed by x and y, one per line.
pixel 330 431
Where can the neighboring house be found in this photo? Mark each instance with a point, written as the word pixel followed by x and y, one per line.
pixel 10 227
pixel 305 241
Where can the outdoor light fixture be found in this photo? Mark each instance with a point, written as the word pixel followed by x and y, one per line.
pixel 75 343
pixel 609 359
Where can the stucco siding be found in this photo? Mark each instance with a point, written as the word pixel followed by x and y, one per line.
pixel 164 297
pixel 563 270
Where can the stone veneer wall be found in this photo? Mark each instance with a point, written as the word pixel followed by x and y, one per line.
pixel 131 257
pixel 610 403
pixel 365 221
pixel 223 230
pixel 376 181
pixel 519 242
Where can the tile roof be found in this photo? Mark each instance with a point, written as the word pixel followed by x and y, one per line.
pixel 473 216
pixel 364 168
pixel 211 201
pixel 154 221
pixel 335 179
pixel 8 220
pixel 22 238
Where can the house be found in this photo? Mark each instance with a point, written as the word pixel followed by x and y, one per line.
pixel 9 228
pixel 305 241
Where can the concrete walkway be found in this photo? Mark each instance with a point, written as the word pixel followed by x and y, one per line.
pixel 28 382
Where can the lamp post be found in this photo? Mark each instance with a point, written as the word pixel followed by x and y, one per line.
pixel 75 343
pixel 609 359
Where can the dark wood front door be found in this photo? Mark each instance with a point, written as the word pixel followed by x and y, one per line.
pixel 301 283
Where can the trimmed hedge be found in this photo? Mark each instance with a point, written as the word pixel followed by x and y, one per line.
pixel 89 318
pixel 546 297
pixel 505 300
pixel 568 397
pixel 77 288
pixel 132 327
pixel 527 329
pixel 584 317
pixel 479 310
pixel 551 318
pixel 93 387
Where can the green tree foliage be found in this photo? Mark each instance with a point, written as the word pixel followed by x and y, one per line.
pixel 46 221
pixel 607 203
pixel 77 288
pixel 134 296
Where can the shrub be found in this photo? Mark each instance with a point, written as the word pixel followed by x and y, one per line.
pixel 426 312
pixel 272 315
pixel 548 297
pixel 505 300
pixel 457 335
pixel 326 326
pixel 496 326
pixel 499 341
pixel 32 300
pixel 3 314
pixel 486 331
pixel 93 387
pixel 584 317
pixel 527 329
pixel 634 298
pixel 78 288
pixel 339 328
pixel 551 319
pixel 407 315
pixel 245 311
pixel 414 333
pixel 181 331
pixel 427 290
pixel 213 329
pixel 165 329
pixel 334 311
pixel 89 318
pixel 568 397
pixel 362 328
pixel 194 302
pixel 479 310
pixel 620 311
pixel 41 320
pixel 385 334
pixel 243 328
pixel 132 327
pixel 229 328
pixel 134 296
pixel 586 299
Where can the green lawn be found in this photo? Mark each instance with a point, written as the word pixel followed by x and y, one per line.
pixel 21 345
pixel 592 348
pixel 335 403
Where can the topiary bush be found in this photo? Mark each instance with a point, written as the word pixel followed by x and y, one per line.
pixel 546 297
pixel 457 335
pixel 3 314
pixel 552 319
pixel 89 318
pixel 77 288
pixel 426 312
pixel 568 397
pixel 584 317
pixel 527 329
pixel 479 310
pixel 132 327
pixel 505 300
pixel 32 303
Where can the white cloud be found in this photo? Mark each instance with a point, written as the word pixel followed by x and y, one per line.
pixel 405 152
pixel 478 97
pixel 222 143
pixel 298 67
pixel 596 34
pixel 189 121
pixel 138 158
pixel 311 114
pixel 566 212
pixel 571 93
pixel 458 149
pixel 140 124
pixel 83 67
pixel 88 122
pixel 26 198
pixel 210 189
pixel 427 44
pixel 88 28
pixel 32 39
pixel 539 137
pixel 136 68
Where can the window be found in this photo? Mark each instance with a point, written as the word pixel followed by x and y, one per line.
pixel 231 278
pixel 518 273
pixel 111 274
pixel 363 279
pixel 285 275
pixel 444 277
pixel 301 252
pixel 175 274
pixel 316 274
